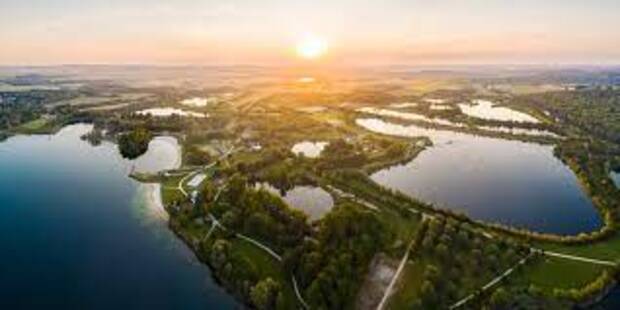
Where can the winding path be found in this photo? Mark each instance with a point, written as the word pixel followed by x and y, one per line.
pixel 260 245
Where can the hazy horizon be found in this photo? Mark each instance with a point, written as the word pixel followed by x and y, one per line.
pixel 396 32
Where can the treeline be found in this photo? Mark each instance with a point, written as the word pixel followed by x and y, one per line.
pixel 362 186
pixel 134 143
pixel 593 111
pixel 331 267
pixel 459 260
pixel 256 213
pixel 341 154
pixel 239 265
pixel 591 290
pixel 238 273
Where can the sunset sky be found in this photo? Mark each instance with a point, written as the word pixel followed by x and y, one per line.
pixel 267 31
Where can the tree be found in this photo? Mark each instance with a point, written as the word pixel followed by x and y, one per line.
pixel 265 294
pixel 134 143
pixel 499 299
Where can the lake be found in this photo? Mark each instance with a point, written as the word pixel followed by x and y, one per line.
pixel 77 233
pixel 510 182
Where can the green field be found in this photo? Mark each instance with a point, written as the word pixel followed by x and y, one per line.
pixel 40 125
pixel 549 273
pixel 608 249
pixel 265 266
pixel 409 285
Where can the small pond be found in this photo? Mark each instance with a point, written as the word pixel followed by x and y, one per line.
pixel 312 200
pixel 309 149
pixel 197 102
pixel 615 176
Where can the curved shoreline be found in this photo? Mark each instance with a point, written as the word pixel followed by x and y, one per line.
pixel 152 195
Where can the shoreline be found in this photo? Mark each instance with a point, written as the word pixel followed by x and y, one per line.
pixel 152 195
pixel 153 200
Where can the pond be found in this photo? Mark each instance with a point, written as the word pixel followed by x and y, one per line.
pixel 615 176
pixel 312 200
pixel 197 102
pixel 488 110
pixel 435 100
pixel 510 182
pixel 165 112
pixel 77 233
pixel 309 149
pixel 403 105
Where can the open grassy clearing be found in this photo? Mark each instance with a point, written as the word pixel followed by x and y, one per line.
pixel 608 249
pixel 550 273
pixel 264 266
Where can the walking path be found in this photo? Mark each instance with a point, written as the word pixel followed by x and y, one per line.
pixel 491 283
pixel 577 258
pixel 401 266
pixel 522 261
pixel 301 299
pixel 260 245
pixel 216 223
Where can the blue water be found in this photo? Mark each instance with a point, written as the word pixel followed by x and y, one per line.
pixel 510 182
pixel 75 233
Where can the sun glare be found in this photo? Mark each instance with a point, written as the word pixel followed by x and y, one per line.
pixel 312 47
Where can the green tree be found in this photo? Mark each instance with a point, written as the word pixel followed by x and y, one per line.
pixel 265 294
pixel 499 299
pixel 134 143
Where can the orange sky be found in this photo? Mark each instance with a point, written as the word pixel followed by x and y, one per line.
pixel 266 32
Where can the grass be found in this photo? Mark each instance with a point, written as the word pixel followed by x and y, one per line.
pixel 403 228
pixel 408 287
pixel 605 250
pixel 35 124
pixel 264 265
pixel 40 125
pixel 549 273
pixel 170 192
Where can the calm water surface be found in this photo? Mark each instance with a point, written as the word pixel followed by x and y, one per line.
pixel 75 232
pixel 312 200
pixel 488 110
pixel 164 112
pixel 511 182
pixel 309 149
pixel 615 176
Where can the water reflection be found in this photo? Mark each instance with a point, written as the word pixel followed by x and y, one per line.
pixel 408 116
pixel 511 182
pixel 615 176
pixel 309 149
pixel 312 200
pixel 487 110
pixel 73 224
pixel 165 112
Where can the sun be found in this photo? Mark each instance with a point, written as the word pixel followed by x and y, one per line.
pixel 312 47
